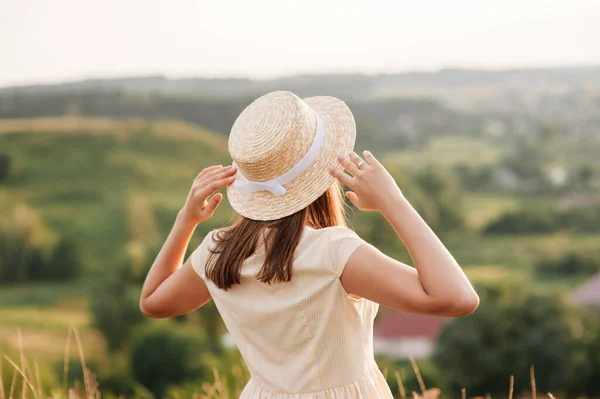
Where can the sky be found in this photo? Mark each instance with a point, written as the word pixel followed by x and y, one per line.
pixel 45 41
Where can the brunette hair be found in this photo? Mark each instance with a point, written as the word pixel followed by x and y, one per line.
pixel 236 243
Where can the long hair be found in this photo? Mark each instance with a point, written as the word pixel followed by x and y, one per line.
pixel 236 243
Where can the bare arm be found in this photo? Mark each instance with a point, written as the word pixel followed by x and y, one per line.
pixel 171 289
pixel 436 286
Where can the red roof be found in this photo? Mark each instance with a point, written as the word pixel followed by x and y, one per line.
pixel 589 293
pixel 397 325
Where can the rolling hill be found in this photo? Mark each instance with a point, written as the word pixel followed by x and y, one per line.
pixel 106 183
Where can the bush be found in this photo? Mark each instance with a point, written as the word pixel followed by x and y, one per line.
pixel 474 177
pixel 512 330
pixel 25 258
pixel 546 220
pixel 582 219
pixel 569 264
pixel 524 221
pixel 444 190
pixel 30 263
pixel 115 308
pixel 66 260
pixel 163 355
pixel 4 166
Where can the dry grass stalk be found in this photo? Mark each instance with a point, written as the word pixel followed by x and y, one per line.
pixel 532 378
pixel 418 374
pixel 431 393
pixel 83 363
pixel 90 383
pixel 2 393
pixel 551 396
pixel 463 393
pixel 511 387
pixel 66 363
pixel 12 385
pixel 218 384
pixel 400 385
pixel 38 379
pixel 23 366
pixel 209 389
pixel 26 380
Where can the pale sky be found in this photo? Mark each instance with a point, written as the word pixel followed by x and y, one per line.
pixel 58 40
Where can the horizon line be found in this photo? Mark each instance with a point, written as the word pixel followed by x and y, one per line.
pixel 174 77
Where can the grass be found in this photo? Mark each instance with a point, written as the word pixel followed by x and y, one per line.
pixel 41 318
pixel 43 295
pixel 44 320
pixel 26 380
pixel 480 209
pixel 447 151
pixel 515 252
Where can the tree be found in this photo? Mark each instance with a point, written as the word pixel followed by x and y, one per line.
pixel 525 221
pixel 584 175
pixel 4 166
pixel 512 330
pixel 444 190
pixel 21 247
pixel 570 263
pixel 163 355
pixel 64 262
pixel 115 308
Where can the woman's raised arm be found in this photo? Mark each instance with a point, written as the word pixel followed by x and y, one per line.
pixel 436 286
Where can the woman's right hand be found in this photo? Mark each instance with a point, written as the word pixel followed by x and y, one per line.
pixel 373 188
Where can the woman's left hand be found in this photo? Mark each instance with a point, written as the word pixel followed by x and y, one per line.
pixel 197 207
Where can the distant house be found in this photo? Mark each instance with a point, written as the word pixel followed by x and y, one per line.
pixel 399 335
pixel 589 293
pixel 580 200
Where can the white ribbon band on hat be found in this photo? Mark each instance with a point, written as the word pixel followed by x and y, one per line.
pixel 275 185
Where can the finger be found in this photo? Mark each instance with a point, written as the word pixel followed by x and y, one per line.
pixel 348 165
pixel 342 177
pixel 355 158
pixel 351 195
pixel 215 185
pixel 214 203
pixel 207 170
pixel 370 158
pixel 215 172
pixel 218 174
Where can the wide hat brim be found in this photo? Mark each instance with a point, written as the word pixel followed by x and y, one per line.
pixel 339 138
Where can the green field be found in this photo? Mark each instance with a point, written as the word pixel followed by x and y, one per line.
pixel 114 184
pixel 89 182
pixel 449 150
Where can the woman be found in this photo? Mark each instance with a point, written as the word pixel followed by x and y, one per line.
pixel 297 289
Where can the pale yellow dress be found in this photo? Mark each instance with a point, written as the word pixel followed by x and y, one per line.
pixel 306 338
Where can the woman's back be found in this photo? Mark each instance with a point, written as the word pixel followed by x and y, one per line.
pixel 287 306
pixel 306 335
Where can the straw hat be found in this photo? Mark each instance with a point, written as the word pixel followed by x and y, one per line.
pixel 284 147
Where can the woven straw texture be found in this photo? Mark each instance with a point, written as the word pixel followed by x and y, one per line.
pixel 271 135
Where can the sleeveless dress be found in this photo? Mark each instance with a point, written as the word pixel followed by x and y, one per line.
pixel 306 338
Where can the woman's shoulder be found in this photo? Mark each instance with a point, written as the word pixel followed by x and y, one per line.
pixel 334 234
pixel 338 243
